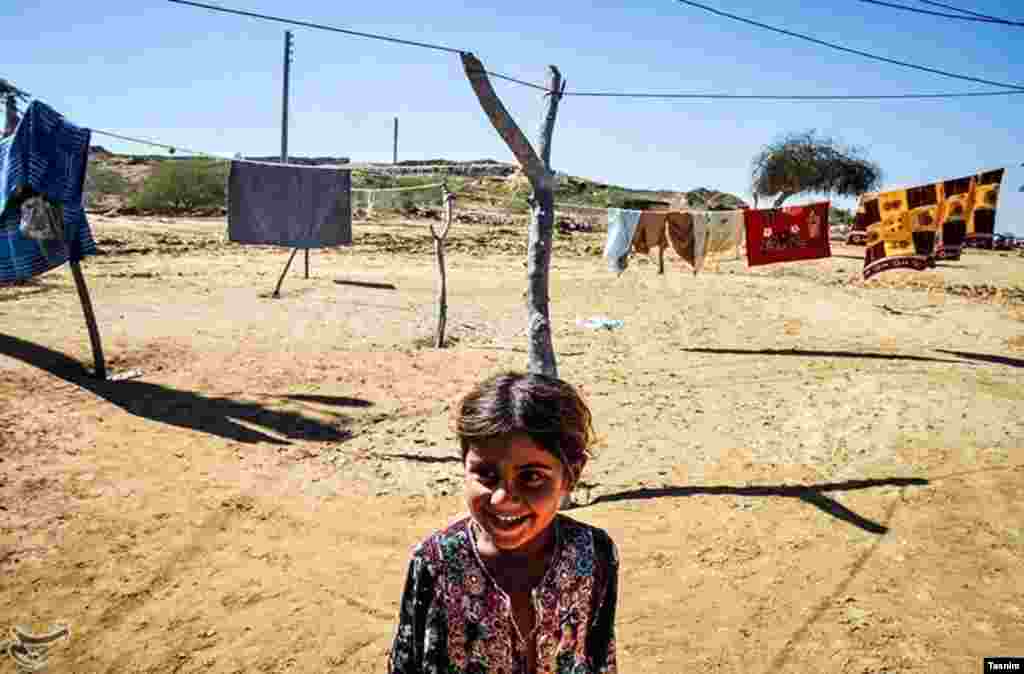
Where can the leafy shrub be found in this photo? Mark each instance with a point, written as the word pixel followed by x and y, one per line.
pixel 184 185
pixel 102 181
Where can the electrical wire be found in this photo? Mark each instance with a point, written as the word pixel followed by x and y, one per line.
pixel 764 97
pixel 809 97
pixel 321 26
pixel 956 9
pixel 959 17
pixel 832 45
pixel 737 96
pixel 1012 89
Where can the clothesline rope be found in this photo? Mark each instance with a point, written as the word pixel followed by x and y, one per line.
pixel 431 186
pixel 352 166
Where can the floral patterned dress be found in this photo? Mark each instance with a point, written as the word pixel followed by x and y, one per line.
pixel 455 619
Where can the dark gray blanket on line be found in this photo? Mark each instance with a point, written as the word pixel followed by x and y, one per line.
pixel 293 206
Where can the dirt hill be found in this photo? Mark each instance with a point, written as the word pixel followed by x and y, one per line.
pixel 114 179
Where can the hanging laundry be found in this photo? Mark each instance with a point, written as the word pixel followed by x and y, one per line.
pixel 621 230
pixel 787 234
pixel 45 158
pixel 687 235
pixel 650 232
pixel 981 223
pixel 910 228
pixel 858 233
pixel 956 200
pixel 293 206
pixel 44 222
pixel 695 236
pixel 724 235
pixel 679 229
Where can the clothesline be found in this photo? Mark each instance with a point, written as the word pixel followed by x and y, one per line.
pixel 351 166
pixel 398 189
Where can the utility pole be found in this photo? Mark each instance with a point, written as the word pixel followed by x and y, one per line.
pixel 284 145
pixel 394 154
pixel 284 96
pixel 284 116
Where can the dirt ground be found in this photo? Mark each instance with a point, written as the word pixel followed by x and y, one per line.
pixel 802 471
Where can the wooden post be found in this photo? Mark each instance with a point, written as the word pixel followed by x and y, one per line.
pixel 394 147
pixel 306 251
pixel 277 289
pixel 442 287
pixel 537 167
pixel 99 364
pixel 90 320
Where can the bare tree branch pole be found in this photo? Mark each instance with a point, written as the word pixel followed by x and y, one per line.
pixel 442 286
pixel 503 123
pixel 541 351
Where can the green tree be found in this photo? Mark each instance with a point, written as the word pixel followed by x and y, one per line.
pixel 840 216
pixel 183 185
pixel 805 162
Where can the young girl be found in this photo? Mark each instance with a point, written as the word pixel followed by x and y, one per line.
pixel 513 587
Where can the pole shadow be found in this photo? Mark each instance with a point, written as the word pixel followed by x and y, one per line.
pixel 19 290
pixel 987 358
pixel 826 354
pixel 421 458
pixel 812 494
pixel 338 401
pixel 366 284
pixel 782 658
pixel 223 417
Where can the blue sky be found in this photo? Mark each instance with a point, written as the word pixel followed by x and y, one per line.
pixel 212 82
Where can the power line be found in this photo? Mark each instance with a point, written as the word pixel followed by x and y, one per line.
pixel 320 26
pixel 512 79
pixel 832 45
pixel 960 17
pixel 815 97
pixel 956 9
pixel 765 97
pixel 1013 89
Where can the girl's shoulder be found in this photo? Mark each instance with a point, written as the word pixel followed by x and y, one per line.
pixel 580 534
pixel 454 535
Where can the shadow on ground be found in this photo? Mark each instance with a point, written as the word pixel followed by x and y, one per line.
pixel 987 358
pixel 823 354
pixel 224 417
pixel 366 284
pixel 421 458
pixel 812 494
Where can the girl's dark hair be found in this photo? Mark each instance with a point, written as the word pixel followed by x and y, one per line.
pixel 546 409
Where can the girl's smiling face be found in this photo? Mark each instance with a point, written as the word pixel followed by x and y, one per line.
pixel 513 492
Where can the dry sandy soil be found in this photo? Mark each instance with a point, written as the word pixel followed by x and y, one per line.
pixel 803 472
